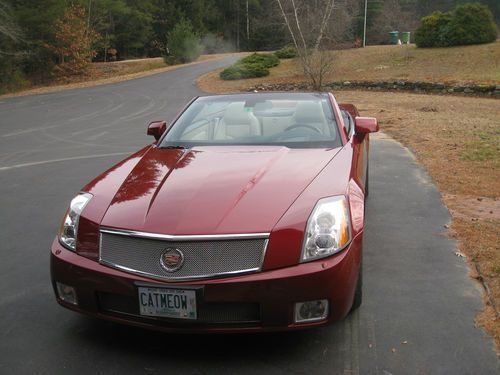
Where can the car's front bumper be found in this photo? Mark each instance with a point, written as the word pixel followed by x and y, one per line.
pixel 261 301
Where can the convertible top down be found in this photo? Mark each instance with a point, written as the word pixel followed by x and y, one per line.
pixel 245 214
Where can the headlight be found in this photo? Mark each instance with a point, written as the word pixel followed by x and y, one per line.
pixel 328 229
pixel 69 226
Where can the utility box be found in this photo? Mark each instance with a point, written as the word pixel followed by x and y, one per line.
pixel 406 37
pixel 394 37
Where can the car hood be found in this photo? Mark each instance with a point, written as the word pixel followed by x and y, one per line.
pixel 213 190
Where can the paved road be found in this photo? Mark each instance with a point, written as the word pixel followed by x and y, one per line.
pixel 419 307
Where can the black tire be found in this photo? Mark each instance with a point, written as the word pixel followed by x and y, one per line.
pixel 367 180
pixel 358 293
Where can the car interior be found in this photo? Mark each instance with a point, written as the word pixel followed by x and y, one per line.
pixel 265 121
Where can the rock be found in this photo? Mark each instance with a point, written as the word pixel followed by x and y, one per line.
pixel 416 86
pixel 484 88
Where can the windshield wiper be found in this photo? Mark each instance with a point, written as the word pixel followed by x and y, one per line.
pixel 174 147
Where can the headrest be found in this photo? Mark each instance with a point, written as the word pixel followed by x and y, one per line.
pixel 309 112
pixel 235 114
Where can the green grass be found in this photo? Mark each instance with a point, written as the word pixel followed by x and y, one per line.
pixel 485 147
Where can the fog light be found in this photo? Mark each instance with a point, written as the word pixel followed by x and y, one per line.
pixel 67 293
pixel 311 311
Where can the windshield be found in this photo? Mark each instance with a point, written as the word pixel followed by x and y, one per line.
pixel 288 119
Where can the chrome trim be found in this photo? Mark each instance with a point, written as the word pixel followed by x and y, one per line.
pixel 174 279
pixel 178 266
pixel 183 237
pixel 186 278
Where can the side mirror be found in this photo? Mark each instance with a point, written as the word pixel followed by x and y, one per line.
pixel 364 125
pixel 157 128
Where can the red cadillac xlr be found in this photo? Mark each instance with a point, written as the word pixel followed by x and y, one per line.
pixel 246 214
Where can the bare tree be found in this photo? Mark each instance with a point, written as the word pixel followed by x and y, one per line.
pixel 301 18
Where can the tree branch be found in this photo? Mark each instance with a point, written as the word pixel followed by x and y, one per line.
pixel 324 23
pixel 288 24
pixel 295 10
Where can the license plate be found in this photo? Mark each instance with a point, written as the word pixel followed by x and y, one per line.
pixel 167 303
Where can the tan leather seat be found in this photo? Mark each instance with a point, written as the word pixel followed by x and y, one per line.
pixel 311 113
pixel 237 123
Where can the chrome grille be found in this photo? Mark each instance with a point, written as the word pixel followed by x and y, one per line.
pixel 205 257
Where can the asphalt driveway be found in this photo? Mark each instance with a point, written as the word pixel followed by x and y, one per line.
pixel 419 306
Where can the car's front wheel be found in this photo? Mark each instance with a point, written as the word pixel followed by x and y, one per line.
pixel 358 294
pixel 367 180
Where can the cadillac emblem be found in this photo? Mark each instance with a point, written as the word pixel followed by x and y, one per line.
pixel 171 259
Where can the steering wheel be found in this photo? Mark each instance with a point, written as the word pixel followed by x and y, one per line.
pixel 310 127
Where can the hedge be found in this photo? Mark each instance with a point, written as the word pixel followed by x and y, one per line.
pixel 242 71
pixel 252 66
pixel 267 60
pixel 471 23
pixel 286 52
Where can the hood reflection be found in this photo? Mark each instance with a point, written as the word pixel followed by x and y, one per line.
pixel 151 172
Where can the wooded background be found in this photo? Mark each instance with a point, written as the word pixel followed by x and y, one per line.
pixel 31 31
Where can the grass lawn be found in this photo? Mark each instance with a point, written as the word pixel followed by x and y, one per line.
pixel 456 138
pixel 469 64
pixel 480 64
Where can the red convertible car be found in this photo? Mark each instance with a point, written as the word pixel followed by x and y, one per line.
pixel 246 214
